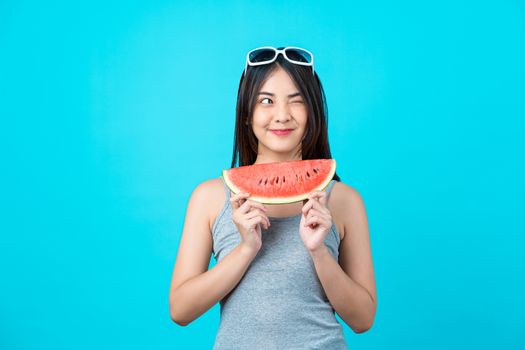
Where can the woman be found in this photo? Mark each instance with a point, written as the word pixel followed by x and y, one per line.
pixel 282 270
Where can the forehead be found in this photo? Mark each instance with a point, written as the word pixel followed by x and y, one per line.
pixel 279 82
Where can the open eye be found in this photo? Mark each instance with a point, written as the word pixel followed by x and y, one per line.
pixel 265 98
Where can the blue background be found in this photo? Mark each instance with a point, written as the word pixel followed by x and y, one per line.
pixel 112 112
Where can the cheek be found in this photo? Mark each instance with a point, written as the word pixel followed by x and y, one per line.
pixel 301 112
pixel 258 125
pixel 302 119
pixel 259 117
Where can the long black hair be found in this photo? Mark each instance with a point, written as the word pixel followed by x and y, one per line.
pixel 315 139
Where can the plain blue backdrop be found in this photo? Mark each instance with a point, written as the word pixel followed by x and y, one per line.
pixel 112 112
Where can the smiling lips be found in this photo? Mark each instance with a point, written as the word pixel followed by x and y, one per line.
pixel 281 132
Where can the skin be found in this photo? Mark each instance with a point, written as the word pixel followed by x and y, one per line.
pixel 348 283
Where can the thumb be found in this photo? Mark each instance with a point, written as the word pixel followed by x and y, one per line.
pixel 234 201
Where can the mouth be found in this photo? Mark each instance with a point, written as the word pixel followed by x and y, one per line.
pixel 281 132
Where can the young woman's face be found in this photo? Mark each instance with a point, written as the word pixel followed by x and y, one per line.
pixel 279 105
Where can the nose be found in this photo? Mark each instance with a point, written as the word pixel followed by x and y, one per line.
pixel 282 113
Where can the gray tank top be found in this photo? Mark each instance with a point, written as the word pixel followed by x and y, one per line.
pixel 279 303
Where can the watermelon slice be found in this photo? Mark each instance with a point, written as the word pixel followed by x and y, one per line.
pixel 281 182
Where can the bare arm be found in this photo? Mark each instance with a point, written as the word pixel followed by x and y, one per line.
pixel 195 296
pixel 195 289
pixel 350 300
pixel 350 284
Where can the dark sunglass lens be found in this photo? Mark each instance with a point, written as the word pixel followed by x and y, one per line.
pixel 299 55
pixel 261 55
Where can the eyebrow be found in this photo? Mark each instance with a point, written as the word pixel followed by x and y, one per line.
pixel 271 94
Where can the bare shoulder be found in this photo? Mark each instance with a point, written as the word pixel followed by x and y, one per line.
pixel 212 186
pixel 344 202
pixel 212 197
pixel 355 252
pixel 196 243
pixel 344 193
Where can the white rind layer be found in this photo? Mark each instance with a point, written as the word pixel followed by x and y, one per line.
pixel 281 200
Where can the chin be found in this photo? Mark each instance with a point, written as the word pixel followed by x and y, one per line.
pixel 283 148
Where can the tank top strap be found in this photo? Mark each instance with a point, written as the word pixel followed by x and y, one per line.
pixel 226 189
pixel 328 188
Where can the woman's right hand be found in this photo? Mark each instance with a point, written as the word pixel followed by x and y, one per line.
pixel 248 216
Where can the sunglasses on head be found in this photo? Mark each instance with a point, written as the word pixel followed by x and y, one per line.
pixel 268 54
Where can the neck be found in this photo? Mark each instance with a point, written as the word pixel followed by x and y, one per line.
pixel 272 157
pixel 264 160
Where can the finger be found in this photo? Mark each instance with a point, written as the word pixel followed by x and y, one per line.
pixel 319 200
pixel 320 219
pixel 318 206
pixel 315 212
pixel 307 207
pixel 255 221
pixel 316 220
pixel 238 199
pixel 312 221
pixel 257 212
pixel 319 196
pixel 249 204
pixel 315 195
pixel 236 196
pixel 313 204
pixel 265 217
pixel 253 212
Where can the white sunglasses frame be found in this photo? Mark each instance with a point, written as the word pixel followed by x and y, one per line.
pixel 277 52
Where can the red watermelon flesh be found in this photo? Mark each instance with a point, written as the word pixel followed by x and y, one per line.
pixel 281 182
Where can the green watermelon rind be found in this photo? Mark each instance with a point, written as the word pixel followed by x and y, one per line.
pixel 282 200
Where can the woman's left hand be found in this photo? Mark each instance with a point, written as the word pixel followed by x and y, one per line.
pixel 316 221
